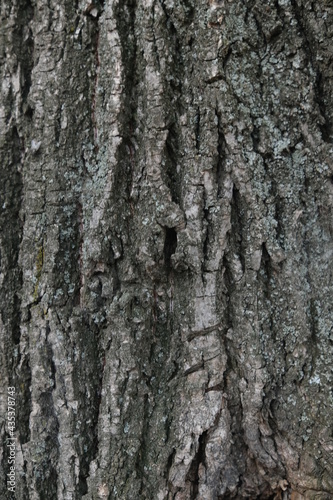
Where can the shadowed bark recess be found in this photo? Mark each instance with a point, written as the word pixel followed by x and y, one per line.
pixel 165 248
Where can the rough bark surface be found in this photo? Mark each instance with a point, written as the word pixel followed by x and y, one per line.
pixel 166 248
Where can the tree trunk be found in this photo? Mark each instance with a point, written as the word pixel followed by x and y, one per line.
pixel 166 248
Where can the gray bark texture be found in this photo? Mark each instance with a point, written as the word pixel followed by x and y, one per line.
pixel 166 248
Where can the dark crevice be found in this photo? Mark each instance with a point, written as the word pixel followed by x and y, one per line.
pixel 16 320
pixel 278 218
pixel 272 410
pixel 279 9
pixel 122 192
pixel 172 94
pixel 275 33
pixel 231 373
pixel 217 387
pixel 255 135
pixel 158 63
pixel 50 357
pixel 267 267
pixel 197 130
pixel 23 382
pixel 278 205
pixel 222 152
pixel 29 112
pixel 205 248
pixel 17 149
pixel 57 126
pixel 170 461
pixel 228 285
pixel 271 341
pixel 116 279
pixel 94 10
pixel 200 333
pixel 174 371
pixel 167 427
pixel 125 13
pixel 95 42
pixel 23 39
pixel 90 396
pixel 216 78
pixel 313 323
pixel 24 480
pixel 226 55
pixel 82 486
pixel 11 227
pixel 238 223
pixel 170 245
pixel 27 67
pixel 231 377
pixel 194 368
pixel 193 473
pixel 173 179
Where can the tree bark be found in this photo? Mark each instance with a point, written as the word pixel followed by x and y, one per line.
pixel 166 248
